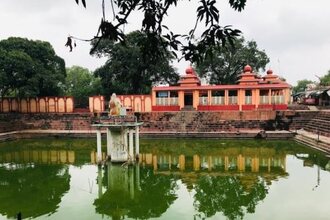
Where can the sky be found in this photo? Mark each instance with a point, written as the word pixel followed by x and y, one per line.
pixel 295 34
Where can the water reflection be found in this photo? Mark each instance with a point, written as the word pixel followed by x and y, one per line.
pixel 231 181
pixel 221 180
pixel 32 189
pixel 133 192
pixel 38 156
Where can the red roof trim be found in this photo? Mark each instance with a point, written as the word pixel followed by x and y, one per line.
pixel 223 87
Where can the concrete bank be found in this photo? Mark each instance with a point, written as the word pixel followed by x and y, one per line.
pixel 243 134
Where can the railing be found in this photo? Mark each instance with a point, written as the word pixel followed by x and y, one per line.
pixel 203 101
pixel 162 101
pixel 218 100
pixel 165 101
pixel 248 100
pixel 264 100
pixel 174 101
pixel 277 99
pixel 232 100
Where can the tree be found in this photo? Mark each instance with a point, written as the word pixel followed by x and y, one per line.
pixel 301 85
pixel 46 183
pixel 81 83
pixel 29 68
pixel 228 195
pixel 130 68
pixel 192 48
pixel 228 62
pixel 325 80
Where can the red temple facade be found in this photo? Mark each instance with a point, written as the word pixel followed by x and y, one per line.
pixel 251 92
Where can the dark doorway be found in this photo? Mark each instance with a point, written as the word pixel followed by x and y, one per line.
pixel 188 99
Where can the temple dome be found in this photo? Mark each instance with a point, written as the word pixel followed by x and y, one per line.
pixel 189 70
pixel 269 72
pixel 247 68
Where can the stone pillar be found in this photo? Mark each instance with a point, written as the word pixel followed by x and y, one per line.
pixel 240 98
pixel 209 97
pixel 98 144
pixel 137 141
pixel 130 143
pixel 109 143
pixel 257 97
pixel 153 98
pixel 226 97
pixel 195 99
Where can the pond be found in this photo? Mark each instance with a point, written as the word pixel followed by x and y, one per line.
pixel 174 179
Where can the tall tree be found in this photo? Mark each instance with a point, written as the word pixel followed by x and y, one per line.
pixel 130 68
pixel 302 85
pixel 154 11
pixel 81 83
pixel 29 68
pixel 226 63
pixel 325 80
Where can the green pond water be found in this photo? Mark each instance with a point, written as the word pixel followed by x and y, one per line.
pixel 174 179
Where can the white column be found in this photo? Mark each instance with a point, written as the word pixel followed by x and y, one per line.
pixel 109 143
pixel 130 142
pixel 137 141
pixel 98 144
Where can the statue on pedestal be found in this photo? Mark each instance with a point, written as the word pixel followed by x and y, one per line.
pixel 114 105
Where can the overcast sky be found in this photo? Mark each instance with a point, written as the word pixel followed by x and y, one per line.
pixel 294 33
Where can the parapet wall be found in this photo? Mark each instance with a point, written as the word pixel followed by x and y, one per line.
pixel 37 105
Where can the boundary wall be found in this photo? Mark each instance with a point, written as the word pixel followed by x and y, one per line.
pixel 37 105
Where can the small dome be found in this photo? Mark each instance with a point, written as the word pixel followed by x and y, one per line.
pixel 247 68
pixel 189 70
pixel 269 72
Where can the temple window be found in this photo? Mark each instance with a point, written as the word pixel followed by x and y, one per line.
pixel 174 98
pixel 248 97
pixel 218 97
pixel 203 99
pixel 232 99
pixel 264 99
pixel 277 96
pixel 162 98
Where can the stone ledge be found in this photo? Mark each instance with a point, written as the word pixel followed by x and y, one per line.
pixel 242 134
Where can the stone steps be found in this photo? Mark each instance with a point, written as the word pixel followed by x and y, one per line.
pixel 311 142
pixel 319 124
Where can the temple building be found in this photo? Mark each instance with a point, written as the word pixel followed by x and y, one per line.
pixel 251 92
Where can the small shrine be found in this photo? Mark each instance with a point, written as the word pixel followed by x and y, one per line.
pixel 122 132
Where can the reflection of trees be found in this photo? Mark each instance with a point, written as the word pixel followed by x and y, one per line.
pixel 33 189
pixel 226 194
pixel 152 195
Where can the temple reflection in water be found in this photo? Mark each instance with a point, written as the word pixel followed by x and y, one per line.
pixel 224 161
pixel 149 188
pixel 38 156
